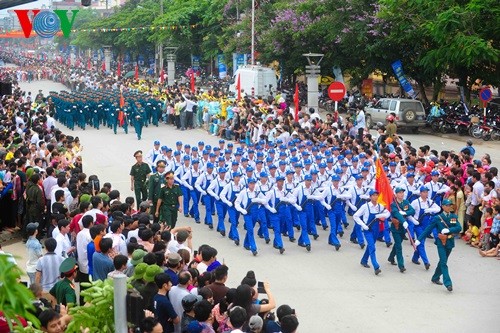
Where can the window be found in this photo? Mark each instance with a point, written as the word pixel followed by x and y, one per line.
pixel 393 106
pixel 384 104
pixel 415 106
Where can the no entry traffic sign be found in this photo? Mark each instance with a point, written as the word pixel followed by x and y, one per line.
pixel 485 95
pixel 336 91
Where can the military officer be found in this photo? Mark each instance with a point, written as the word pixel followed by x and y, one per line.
pixel 64 290
pixel 447 224
pixel 169 202
pixel 368 217
pixel 139 173
pixel 156 182
pixel 400 209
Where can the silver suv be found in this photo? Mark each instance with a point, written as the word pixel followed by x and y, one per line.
pixel 409 113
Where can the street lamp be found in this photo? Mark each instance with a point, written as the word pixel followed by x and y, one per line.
pixel 107 57
pixel 312 74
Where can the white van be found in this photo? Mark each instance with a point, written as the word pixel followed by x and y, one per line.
pixel 261 79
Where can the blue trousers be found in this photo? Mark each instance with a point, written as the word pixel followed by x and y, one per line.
pixel 344 222
pixel 186 195
pixel 263 231
pixel 276 222
pixel 295 216
pixel 221 209
pixel 208 201
pixel 250 221
pixel 305 215
pixel 357 234
pixel 319 213
pixel 234 215
pixel 386 233
pixel 286 225
pixel 335 217
pixel 194 211
pixel 311 222
pixel 442 266
pixel 420 253
pixel 371 237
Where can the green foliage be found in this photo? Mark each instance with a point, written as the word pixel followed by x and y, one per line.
pixel 433 38
pixel 15 298
pixel 97 313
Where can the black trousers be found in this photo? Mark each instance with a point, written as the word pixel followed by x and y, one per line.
pixel 476 216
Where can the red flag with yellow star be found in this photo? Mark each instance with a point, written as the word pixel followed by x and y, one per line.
pixel 383 186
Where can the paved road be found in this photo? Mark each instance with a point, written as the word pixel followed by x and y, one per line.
pixel 330 290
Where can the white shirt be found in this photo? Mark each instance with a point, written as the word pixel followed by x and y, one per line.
pixel 362 214
pixel 68 199
pixel 63 245
pixel 477 191
pixel 119 244
pixel 82 240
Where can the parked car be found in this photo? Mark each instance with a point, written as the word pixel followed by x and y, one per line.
pixel 409 113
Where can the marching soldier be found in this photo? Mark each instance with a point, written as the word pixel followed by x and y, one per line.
pixel 447 225
pixel 215 190
pixel 333 196
pixel 169 202
pixel 228 195
pixel 202 184
pixel 368 216
pixel 139 173
pixel 156 182
pixel 400 210
pixel 425 209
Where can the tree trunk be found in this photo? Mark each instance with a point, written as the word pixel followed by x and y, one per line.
pixel 421 88
pixel 463 82
pixel 436 87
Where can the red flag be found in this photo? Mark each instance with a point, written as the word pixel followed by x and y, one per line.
pixel 121 118
pixel 238 87
pixel 162 74
pixel 383 186
pixel 121 114
pixel 122 100
pixel 296 102
pixel 136 75
pixel 193 82
pixel 103 66
pixel 118 70
pixel 89 65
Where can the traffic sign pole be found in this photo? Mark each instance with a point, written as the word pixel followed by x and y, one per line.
pixel 485 95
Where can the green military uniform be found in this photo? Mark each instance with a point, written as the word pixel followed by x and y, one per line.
pixel 140 173
pixel 170 203
pixel 398 228
pixel 446 244
pixel 156 181
pixel 64 290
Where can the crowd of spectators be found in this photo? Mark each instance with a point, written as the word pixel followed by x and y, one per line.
pixel 45 195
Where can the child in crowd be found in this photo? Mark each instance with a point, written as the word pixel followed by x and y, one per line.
pixel 486 229
pixel 469 209
pixel 206 119
pixel 472 234
pixel 495 228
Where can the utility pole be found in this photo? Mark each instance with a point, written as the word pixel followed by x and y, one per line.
pixel 160 45
pixel 252 56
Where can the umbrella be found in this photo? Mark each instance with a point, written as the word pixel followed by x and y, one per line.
pixel 130 74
